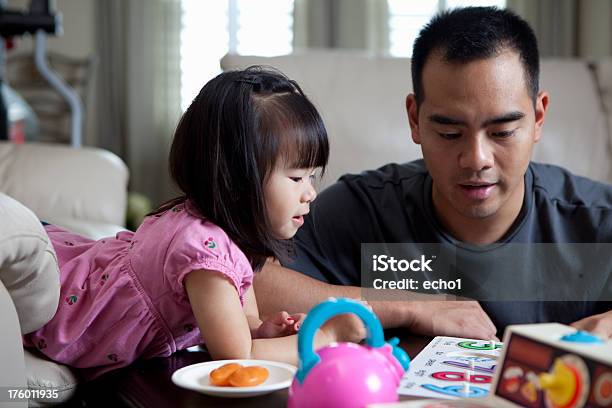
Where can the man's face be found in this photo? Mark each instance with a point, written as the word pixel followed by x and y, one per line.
pixel 476 127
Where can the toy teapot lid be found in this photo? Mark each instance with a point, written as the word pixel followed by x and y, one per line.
pixel 324 311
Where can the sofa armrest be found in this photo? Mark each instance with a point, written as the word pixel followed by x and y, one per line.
pixel 62 183
pixel 13 372
pixel 28 265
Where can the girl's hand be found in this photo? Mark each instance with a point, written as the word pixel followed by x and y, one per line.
pixel 279 325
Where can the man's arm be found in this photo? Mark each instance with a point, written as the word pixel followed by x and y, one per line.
pixel 279 288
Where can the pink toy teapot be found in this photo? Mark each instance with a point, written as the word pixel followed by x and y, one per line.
pixel 346 375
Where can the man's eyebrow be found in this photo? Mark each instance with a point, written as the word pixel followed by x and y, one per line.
pixel 446 120
pixel 507 117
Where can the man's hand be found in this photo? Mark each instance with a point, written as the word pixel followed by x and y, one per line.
pixel 279 325
pixel 344 328
pixel 600 324
pixel 452 318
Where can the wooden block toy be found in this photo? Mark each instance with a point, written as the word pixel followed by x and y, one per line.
pixel 553 365
pixel 546 365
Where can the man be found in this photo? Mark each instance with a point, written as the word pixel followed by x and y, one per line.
pixel 477 112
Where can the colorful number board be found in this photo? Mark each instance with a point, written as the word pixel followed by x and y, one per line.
pixel 452 367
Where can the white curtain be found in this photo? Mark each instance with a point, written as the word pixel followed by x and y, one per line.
pixel 139 98
pixel 569 28
pixel 348 24
pixel 565 28
pixel 110 118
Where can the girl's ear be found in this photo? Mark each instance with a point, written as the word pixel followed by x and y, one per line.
pixel 413 117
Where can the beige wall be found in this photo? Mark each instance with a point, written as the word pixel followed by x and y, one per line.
pixel 77 40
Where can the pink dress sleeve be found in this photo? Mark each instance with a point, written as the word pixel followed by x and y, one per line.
pixel 199 244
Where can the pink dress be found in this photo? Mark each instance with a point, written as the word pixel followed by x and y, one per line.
pixel 123 297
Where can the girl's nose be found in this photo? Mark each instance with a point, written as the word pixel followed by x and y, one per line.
pixel 310 194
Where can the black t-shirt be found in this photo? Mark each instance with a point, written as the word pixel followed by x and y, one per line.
pixel 393 204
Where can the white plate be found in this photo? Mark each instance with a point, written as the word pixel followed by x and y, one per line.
pixel 196 377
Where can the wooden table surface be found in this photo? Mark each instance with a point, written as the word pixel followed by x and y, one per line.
pixel 148 384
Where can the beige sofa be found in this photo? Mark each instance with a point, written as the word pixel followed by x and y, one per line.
pixel 362 99
pixel 84 190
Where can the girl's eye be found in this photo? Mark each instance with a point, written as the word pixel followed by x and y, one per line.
pixel 310 177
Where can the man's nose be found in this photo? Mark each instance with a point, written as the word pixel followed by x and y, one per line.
pixel 476 153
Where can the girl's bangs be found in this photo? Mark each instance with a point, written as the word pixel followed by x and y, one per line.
pixel 300 132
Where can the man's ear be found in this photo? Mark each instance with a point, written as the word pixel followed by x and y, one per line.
pixel 413 118
pixel 540 113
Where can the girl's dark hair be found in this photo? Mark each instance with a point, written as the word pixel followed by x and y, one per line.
pixel 463 35
pixel 239 127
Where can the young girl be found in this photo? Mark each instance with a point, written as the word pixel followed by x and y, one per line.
pixel 244 155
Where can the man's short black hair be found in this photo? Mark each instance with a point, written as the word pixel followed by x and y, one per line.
pixel 467 34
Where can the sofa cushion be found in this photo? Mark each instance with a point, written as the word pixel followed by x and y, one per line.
pixel 604 79
pixel 61 183
pixel 90 229
pixel 12 368
pixel 28 265
pixel 575 133
pixel 43 374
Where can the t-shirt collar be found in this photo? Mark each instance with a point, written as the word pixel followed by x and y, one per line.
pixel 514 229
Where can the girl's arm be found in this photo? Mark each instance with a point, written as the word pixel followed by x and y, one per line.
pixel 279 324
pixel 225 327
pixel 251 312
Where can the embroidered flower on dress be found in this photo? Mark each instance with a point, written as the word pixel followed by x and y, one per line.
pixel 41 344
pixel 112 357
pixel 72 299
pixel 210 243
pixel 103 278
pixel 68 243
pixel 189 327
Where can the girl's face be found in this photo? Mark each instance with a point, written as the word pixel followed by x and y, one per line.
pixel 288 193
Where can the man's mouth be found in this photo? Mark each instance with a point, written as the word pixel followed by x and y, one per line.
pixel 477 190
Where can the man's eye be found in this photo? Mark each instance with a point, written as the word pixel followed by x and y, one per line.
pixel 505 133
pixel 449 136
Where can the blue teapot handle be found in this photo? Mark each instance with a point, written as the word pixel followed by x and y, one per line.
pixel 325 311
